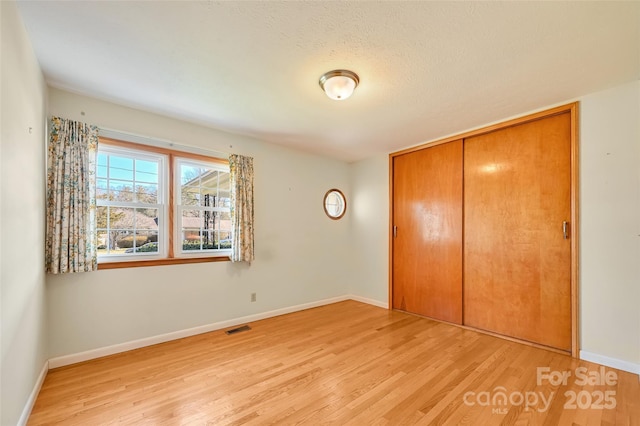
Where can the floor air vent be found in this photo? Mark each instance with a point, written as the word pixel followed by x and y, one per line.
pixel 238 329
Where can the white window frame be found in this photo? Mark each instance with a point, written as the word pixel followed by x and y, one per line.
pixel 162 203
pixel 179 207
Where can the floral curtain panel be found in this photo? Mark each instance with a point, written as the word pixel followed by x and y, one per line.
pixel 71 238
pixel 241 178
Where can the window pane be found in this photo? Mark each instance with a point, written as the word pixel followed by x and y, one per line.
pixel 223 228
pixel 225 221
pixel 121 240
pixel 103 240
pixel 225 239
pixel 190 196
pixel 146 242
pixel 102 189
pixel 147 193
pixel 190 191
pixel 101 217
pixel 191 239
pixel 121 217
pixel 146 219
pixel 209 240
pixel 120 168
pixel 210 179
pixel 146 171
pixel 199 186
pixel 119 191
pixel 102 159
pixel 189 176
pixel 208 219
pixel 224 198
pixel 192 219
pixel 223 184
pixel 101 228
pixel 124 230
pixel 209 198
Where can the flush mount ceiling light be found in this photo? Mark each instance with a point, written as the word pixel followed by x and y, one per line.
pixel 339 84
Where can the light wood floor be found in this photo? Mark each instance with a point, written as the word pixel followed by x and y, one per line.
pixel 346 364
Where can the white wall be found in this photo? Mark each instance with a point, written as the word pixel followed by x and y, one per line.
pixel 301 255
pixel 22 183
pixel 610 223
pixel 610 226
pixel 370 228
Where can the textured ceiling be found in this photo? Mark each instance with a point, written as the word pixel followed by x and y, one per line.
pixel 427 69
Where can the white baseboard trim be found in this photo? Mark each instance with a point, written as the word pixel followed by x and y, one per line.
pixel 610 362
pixel 26 412
pixel 153 340
pixel 368 301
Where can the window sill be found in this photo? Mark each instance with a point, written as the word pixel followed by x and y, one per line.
pixel 161 262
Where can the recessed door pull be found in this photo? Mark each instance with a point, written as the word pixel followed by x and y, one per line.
pixel 565 230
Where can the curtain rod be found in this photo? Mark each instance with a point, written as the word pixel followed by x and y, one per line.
pixel 157 142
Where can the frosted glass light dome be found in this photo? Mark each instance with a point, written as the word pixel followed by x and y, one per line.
pixel 339 84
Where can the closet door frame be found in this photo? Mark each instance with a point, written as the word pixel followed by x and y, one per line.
pixel 574 227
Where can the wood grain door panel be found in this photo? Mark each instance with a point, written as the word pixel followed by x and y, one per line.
pixel 427 250
pixel 517 264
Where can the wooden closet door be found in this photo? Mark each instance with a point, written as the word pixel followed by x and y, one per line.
pixel 517 263
pixel 427 247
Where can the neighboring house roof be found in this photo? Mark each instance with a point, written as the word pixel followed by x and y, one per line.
pixel 206 180
pixel 194 222
pixel 126 220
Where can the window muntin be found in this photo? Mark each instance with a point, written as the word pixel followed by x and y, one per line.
pixel 203 209
pixel 130 203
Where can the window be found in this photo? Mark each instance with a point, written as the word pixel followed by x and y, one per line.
pixel 130 202
pixel 204 207
pixel 143 216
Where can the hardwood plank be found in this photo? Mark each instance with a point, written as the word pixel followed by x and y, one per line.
pixel 346 363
